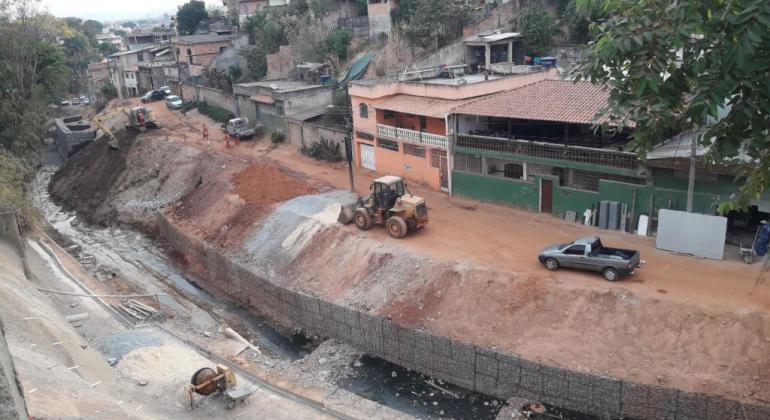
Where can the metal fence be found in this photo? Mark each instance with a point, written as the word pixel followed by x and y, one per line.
pixel 579 154
pixel 411 136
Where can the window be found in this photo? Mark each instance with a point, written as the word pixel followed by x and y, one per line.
pixel 423 123
pixel 414 150
pixel 140 57
pixel 364 136
pixel 222 49
pixel 468 163
pixel 387 144
pixel 576 250
pixel 363 111
pixel 504 168
pixel 278 107
pixel 389 115
pixel 189 51
pixel 189 59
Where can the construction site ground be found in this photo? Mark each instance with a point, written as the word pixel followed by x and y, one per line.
pixel 694 324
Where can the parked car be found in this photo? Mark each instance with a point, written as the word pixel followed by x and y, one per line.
pixel 64 102
pixel 589 254
pixel 75 101
pixel 153 95
pixel 166 89
pixel 85 100
pixel 239 128
pixel 174 102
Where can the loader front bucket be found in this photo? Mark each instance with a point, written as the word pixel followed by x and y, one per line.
pixel 346 213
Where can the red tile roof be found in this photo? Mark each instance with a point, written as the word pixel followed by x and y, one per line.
pixel 546 100
pixel 420 105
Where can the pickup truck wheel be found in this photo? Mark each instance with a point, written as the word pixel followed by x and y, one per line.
pixel 610 274
pixel 551 264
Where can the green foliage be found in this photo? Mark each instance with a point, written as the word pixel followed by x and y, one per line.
pixel 107 49
pixel 431 23
pixel 216 113
pixel 190 15
pixel 14 174
pixel 337 43
pixel 362 7
pixel 325 150
pixel 129 24
pixel 277 137
pixel 109 91
pixel 538 28
pixel 120 32
pixel 235 71
pixel 673 65
pixel 92 28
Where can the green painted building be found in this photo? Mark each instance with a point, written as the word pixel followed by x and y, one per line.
pixel 554 178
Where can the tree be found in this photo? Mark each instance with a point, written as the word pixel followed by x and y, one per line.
pixel 432 23
pixel 92 28
pixel 674 65
pixel 537 29
pixel 107 49
pixel 109 91
pixel 190 15
pixel 337 43
pixel 129 24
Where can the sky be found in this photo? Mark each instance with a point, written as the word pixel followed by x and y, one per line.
pixel 116 9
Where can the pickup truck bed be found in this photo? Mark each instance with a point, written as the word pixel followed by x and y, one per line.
pixel 589 254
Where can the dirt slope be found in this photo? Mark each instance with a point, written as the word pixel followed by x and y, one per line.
pixel 236 204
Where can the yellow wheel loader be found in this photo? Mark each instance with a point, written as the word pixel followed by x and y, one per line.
pixel 390 204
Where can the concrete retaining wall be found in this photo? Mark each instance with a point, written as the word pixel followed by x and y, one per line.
pixel 72 135
pixel 481 369
pixel 215 97
pixel 304 134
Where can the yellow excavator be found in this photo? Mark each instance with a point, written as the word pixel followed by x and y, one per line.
pixel 139 119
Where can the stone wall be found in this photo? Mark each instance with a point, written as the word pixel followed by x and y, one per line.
pixel 477 368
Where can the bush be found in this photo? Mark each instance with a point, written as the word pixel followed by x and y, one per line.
pixel 277 137
pixel 323 150
pixel 109 91
pixel 215 113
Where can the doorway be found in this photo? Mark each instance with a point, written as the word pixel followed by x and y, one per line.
pixel 546 196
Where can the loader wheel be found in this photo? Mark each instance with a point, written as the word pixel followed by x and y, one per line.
pixel 396 227
pixel 363 219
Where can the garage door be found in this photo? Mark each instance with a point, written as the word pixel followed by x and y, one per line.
pixel 367 156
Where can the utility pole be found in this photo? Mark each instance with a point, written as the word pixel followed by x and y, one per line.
pixel 349 140
pixel 693 161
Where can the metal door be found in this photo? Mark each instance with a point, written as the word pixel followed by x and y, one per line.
pixel 439 160
pixel 367 156
pixel 546 196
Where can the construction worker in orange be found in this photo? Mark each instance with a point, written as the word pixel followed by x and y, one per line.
pixel 206 135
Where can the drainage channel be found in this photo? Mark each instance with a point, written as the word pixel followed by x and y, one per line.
pixel 106 251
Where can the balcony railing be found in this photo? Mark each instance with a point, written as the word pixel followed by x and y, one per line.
pixel 411 136
pixel 602 157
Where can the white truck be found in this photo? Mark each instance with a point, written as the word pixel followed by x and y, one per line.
pixel 239 128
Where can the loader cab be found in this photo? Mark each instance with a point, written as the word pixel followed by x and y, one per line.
pixel 386 191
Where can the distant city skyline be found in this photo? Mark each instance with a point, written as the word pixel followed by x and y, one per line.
pixel 113 10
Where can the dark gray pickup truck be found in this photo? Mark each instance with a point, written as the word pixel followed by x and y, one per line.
pixel 589 254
